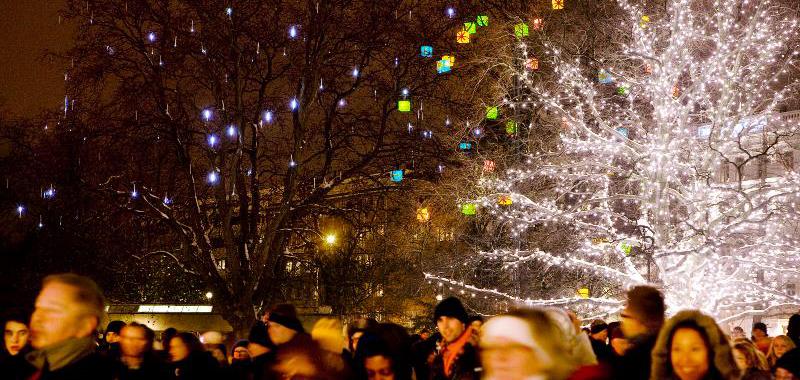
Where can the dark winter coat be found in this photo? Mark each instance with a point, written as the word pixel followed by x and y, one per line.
pixel 756 374
pixel 92 367
pixel 602 351
pixel 466 366
pixel 722 365
pixel 197 366
pixel 635 364
pixel 152 368
pixel 261 366
pixel 15 367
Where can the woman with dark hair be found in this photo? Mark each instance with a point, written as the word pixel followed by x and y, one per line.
pixel 189 359
pixel 15 346
pixel 691 346
pixel 384 353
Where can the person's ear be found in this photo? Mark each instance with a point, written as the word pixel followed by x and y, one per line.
pixel 87 325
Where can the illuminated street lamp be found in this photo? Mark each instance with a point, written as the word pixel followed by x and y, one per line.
pixel 330 239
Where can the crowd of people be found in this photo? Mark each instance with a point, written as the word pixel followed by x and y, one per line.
pixel 59 341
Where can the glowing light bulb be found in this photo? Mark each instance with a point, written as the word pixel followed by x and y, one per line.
pixel 229 11
pixel 212 140
pixel 293 32
pixel 212 177
pixel 232 131
pixel 20 210
pixel 207 114
pixel 451 12
pixel 151 36
pixel 355 72
pixel 293 104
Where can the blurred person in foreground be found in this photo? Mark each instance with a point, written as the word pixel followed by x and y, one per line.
pixel 109 346
pixel 190 360
pixel 137 359
pixel 384 353
pixel 780 345
pixel 67 312
pixel 761 338
pixel 788 366
pixel 750 360
pixel 640 320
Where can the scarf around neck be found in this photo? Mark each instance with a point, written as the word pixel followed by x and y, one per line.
pixel 61 354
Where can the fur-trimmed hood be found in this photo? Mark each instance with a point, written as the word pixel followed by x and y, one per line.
pixel 723 355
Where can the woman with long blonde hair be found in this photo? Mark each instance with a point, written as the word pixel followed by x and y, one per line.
pixel 780 345
pixel 750 360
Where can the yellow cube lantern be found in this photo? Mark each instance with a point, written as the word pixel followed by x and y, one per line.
pixel 462 37
pixel 558 4
pixel 532 64
pixel 404 105
pixel 583 293
pixel 505 200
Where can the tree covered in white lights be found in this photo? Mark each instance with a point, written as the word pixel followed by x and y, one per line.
pixel 673 163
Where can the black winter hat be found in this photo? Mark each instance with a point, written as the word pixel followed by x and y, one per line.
pixel 790 361
pixel 258 334
pixel 450 307
pixel 286 316
pixel 597 326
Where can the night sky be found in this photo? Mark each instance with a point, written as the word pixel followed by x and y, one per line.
pixel 28 82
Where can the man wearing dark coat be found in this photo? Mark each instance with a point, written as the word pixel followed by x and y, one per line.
pixel 453 357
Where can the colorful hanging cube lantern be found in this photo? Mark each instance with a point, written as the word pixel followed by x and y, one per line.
pixel 469 209
pixel 644 21
pixel 558 4
pixel 397 175
pixel 583 293
pixel 648 69
pixel 462 37
pixel 464 146
pixel 404 105
pixel 450 60
pixel 604 77
pixel 623 131
pixel 426 51
pixel 599 240
pixel 504 200
pixel 442 67
pixel 538 24
pixel 676 91
pixel 470 27
pixel 623 90
pixel 482 20
pixel 521 30
pixel 423 215
pixel 488 166
pixel 511 127
pixel 532 64
pixel 625 248
pixel 492 112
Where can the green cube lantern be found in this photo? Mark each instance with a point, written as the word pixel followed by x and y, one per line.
pixel 469 209
pixel 511 127
pixel 521 30
pixel 470 27
pixel 623 90
pixel 404 105
pixel 483 20
pixel 492 112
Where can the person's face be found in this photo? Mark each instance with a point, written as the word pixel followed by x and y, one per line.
pixel 354 340
pixel 631 326
pixel 112 337
pixel 741 359
pixel 689 354
pixel 475 332
pixel 241 353
pixel 57 317
pixel 600 336
pixel 16 336
pixel 780 347
pixel 177 349
pixel 620 345
pixel 737 334
pixel 280 334
pixel 758 334
pixel 378 368
pixel 782 374
pixel 132 342
pixel 451 328
pixel 508 360
pixel 219 355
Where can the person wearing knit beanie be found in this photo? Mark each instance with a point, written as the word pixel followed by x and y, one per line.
pixel 283 324
pixel 455 358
